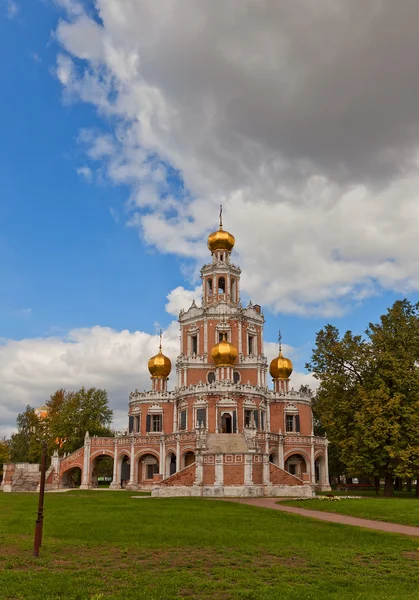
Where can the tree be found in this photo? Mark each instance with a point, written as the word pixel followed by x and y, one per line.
pixel 368 399
pixel 71 414
pixel 4 455
pixel 25 445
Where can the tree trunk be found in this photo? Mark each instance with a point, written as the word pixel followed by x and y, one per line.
pixel 409 484
pixel 388 485
pixel 377 484
pixel 417 486
pixel 398 484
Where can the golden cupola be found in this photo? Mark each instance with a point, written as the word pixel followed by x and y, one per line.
pixel 280 367
pixel 159 365
pixel 224 354
pixel 221 240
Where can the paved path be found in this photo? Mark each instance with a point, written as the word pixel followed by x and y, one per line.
pixel 330 517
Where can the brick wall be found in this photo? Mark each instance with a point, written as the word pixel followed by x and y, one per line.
pixel 257 473
pixel 184 477
pixel 280 477
pixel 209 474
pixel 233 474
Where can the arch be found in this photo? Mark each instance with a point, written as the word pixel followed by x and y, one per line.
pixel 221 285
pixel 188 458
pixel 97 453
pixel 123 469
pixel 147 465
pixel 71 477
pixel 296 464
pixel 301 451
pixel 101 466
pixel 170 463
pixel 273 457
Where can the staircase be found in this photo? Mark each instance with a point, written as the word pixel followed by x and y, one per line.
pixel 226 443
pixel 25 481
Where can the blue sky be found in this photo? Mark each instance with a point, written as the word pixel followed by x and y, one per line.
pixel 84 246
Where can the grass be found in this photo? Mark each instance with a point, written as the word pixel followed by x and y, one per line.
pixel 393 510
pixel 108 545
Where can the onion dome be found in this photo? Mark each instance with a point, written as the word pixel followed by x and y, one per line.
pixel 224 354
pixel 280 367
pixel 159 365
pixel 221 240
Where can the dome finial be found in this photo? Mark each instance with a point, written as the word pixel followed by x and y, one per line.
pixel 221 240
pixel 161 335
pixel 279 341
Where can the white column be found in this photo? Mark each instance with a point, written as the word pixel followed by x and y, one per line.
pixel 313 471
pixel 175 428
pixel 219 471
pixel 268 416
pixel 266 473
pixel 281 463
pixel 240 337
pixel 248 462
pixel 206 336
pixel 177 454
pixel 199 471
pixel 86 462
pixel 115 483
pixel 132 465
pixel 162 461
pixel 326 463
pixel 259 375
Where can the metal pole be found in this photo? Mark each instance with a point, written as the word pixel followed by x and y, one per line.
pixel 40 520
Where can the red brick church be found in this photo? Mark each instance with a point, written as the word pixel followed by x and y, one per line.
pixel 221 431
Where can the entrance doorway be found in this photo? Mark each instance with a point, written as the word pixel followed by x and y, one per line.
pixel 226 423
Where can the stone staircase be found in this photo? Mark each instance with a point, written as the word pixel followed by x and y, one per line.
pixel 226 443
pixel 25 481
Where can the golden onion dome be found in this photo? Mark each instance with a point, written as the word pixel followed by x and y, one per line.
pixel 280 367
pixel 159 365
pixel 224 354
pixel 221 240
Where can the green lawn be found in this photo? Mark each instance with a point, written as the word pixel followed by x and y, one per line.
pixel 393 510
pixel 105 545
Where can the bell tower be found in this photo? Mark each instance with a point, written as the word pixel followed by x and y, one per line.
pixel 220 278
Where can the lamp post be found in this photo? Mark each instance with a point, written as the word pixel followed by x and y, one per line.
pixel 40 519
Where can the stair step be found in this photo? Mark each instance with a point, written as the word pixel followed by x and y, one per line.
pixel 226 442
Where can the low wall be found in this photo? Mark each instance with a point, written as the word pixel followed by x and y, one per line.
pixel 227 491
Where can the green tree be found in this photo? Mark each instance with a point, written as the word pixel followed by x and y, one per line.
pixel 71 414
pixel 368 399
pixel 4 454
pixel 25 445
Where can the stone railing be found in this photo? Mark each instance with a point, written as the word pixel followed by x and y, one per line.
pixel 68 460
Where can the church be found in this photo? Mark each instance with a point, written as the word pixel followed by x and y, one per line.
pixel 223 429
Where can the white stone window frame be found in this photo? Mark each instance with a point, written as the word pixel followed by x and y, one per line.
pixel 137 421
pixel 251 332
pixel 150 460
pixel 291 411
pixel 193 331
pixel 200 403
pixel 181 410
pixel 156 409
pixel 220 328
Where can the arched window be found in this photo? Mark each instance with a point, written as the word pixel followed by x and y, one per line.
pixel 233 290
pixel 236 377
pixel 221 285
pixel 211 377
pixel 209 287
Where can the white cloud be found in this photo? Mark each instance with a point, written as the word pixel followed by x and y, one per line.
pixel 179 299
pixel 310 151
pixel 12 9
pixel 85 172
pixel 32 369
